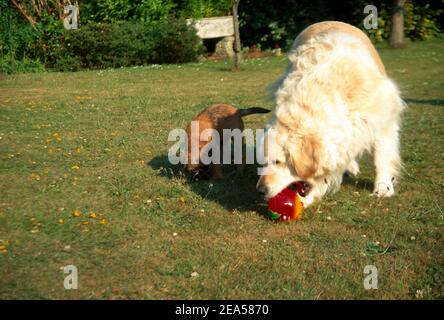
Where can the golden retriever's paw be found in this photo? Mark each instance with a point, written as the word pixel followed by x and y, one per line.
pixel 383 189
pixel 353 168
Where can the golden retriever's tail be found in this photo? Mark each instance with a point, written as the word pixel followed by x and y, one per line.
pixel 246 112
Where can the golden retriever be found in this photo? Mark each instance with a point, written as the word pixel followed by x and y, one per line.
pixel 333 102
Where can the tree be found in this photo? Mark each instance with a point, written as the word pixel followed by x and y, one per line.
pixel 397 28
pixel 237 44
pixel 33 11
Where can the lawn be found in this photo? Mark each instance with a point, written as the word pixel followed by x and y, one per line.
pixel 85 180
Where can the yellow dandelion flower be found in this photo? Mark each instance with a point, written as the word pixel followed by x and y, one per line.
pixel 34 176
pixel 103 221
pixel 93 215
pixel 56 136
pixel 3 247
pixel 76 214
pixel 78 150
pixel 4 251
pixel 108 149
pixel 76 167
pixel 182 200
pixel 60 221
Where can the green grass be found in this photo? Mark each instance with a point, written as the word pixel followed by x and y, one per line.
pixel 113 126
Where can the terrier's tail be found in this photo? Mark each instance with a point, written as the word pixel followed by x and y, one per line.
pixel 246 112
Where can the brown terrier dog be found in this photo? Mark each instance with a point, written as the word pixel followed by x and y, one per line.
pixel 217 117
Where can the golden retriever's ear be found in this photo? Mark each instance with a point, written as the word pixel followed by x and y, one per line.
pixel 305 158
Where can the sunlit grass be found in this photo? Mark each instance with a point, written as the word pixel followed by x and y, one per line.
pixel 85 180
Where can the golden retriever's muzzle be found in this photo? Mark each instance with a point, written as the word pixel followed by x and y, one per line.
pixel 300 187
pixel 262 185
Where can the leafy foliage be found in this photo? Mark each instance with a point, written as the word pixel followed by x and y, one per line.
pixel 203 8
pixel 421 20
pixel 151 10
pixel 103 45
pixel 278 24
pixel 8 65
pixel 23 42
pixel 133 32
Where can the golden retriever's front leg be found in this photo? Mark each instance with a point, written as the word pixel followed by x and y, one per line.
pixel 387 162
pixel 320 187
pixel 353 168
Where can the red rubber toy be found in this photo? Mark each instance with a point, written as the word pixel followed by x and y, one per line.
pixel 287 204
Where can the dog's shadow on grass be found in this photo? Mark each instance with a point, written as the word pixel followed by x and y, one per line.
pixel 433 102
pixel 358 182
pixel 234 192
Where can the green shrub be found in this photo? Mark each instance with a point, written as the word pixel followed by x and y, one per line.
pixel 24 47
pixel 67 63
pixel 153 10
pixel 203 8
pixel 111 11
pixel 174 41
pixel 271 25
pixel 10 66
pixel 102 45
pixel 420 21
pixel 17 39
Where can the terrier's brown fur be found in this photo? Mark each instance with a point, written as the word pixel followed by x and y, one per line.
pixel 218 117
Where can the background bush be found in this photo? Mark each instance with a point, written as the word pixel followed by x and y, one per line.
pixel 277 24
pixel 9 66
pixel 117 33
pixel 151 10
pixel 105 45
pixel 422 20
pixel 18 41
pixel 25 47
